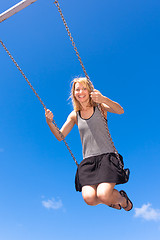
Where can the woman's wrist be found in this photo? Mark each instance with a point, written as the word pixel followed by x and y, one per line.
pixel 49 122
pixel 103 99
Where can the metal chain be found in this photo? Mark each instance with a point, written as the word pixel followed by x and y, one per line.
pixel 84 70
pixel 109 135
pixel 66 144
pixel 9 54
pixel 89 81
pixel 73 43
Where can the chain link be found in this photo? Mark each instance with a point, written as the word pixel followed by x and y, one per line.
pixel 66 144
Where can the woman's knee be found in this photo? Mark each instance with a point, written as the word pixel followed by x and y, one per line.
pixel 104 196
pixel 90 200
pixel 89 196
pixel 104 193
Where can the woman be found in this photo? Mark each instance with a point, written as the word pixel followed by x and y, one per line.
pixel 98 172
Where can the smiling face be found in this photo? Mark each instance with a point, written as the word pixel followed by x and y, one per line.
pixel 81 93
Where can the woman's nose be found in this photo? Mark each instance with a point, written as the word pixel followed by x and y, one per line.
pixel 81 90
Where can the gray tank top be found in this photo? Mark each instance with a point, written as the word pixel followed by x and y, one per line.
pixel 93 133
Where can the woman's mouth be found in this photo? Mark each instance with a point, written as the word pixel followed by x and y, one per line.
pixel 82 96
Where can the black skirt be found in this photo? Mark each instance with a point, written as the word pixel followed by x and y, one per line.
pixel 102 168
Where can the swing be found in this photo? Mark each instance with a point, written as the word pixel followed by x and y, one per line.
pixel 12 11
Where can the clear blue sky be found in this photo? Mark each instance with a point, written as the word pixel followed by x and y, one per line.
pixel 119 44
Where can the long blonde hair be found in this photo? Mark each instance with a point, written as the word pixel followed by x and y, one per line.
pixel 76 104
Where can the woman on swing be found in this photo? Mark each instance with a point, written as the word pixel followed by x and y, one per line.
pixel 98 173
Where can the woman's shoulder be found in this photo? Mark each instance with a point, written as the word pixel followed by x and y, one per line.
pixel 73 116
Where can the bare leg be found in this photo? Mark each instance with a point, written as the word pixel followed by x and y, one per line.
pixel 89 194
pixel 106 194
pixel 110 196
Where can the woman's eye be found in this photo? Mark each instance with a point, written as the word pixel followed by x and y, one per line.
pixel 78 89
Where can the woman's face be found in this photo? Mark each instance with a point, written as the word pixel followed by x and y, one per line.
pixel 81 93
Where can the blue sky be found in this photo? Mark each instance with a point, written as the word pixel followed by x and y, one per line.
pixel 119 44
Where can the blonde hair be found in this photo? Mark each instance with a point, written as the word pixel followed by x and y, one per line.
pixel 83 80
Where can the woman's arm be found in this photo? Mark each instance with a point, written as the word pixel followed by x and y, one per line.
pixel 66 128
pixel 107 103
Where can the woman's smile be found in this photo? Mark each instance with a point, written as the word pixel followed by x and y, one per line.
pixel 81 92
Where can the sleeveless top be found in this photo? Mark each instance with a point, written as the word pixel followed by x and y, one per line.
pixel 93 134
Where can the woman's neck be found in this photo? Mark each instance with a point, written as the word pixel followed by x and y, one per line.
pixel 85 106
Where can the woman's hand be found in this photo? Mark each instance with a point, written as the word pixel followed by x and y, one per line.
pixel 107 103
pixel 49 116
pixel 97 97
